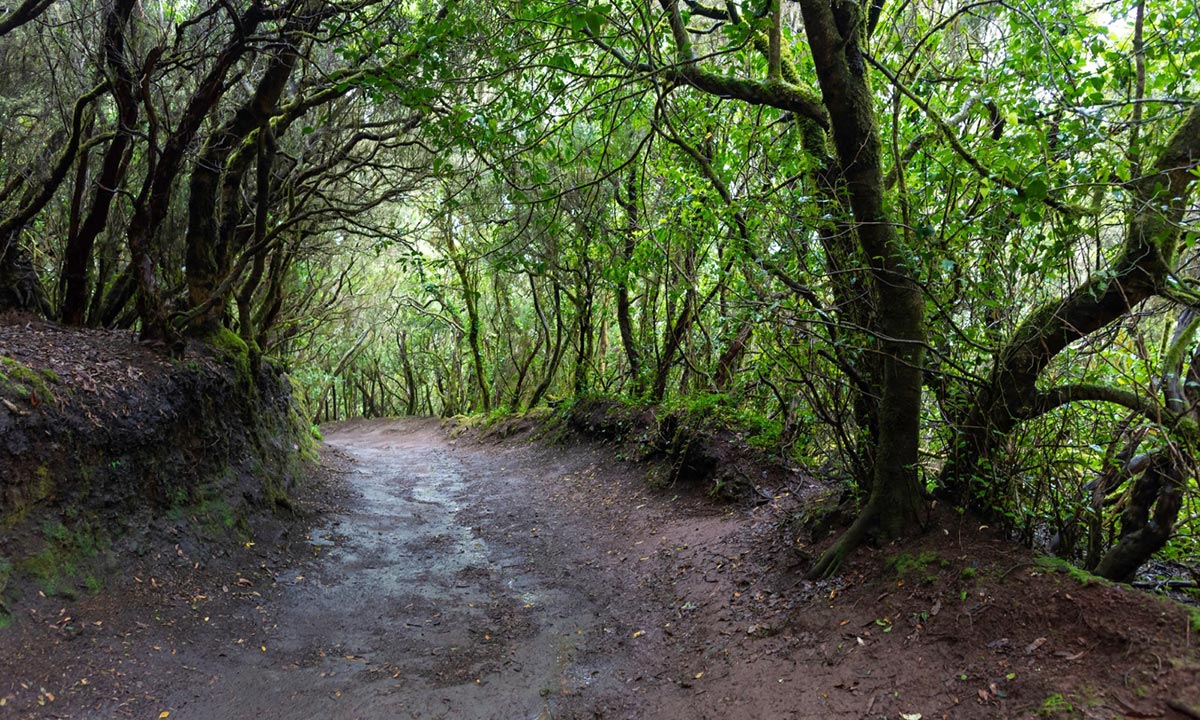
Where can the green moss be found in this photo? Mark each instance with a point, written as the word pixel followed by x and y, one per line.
pixel 229 341
pixel 906 563
pixel 1081 576
pixel 27 495
pixel 234 349
pixel 969 573
pixel 24 382
pixel 56 531
pixel 305 433
pixel 212 513
pixel 52 569
pixel 56 566
pixel 218 513
pixel 94 585
pixel 6 570
pixel 1056 704
pixel 44 482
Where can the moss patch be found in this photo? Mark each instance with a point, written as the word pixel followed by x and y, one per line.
pixel 234 349
pixel 25 495
pixel 1056 704
pixel 1079 575
pixel 56 567
pixel 6 570
pixel 907 563
pixel 25 383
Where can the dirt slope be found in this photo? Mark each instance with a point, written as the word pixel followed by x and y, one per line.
pixel 476 579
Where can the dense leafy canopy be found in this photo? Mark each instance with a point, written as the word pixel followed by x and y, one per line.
pixel 926 246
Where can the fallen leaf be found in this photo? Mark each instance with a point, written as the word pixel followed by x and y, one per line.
pixel 910 716
pixel 639 633
pixel 1033 646
pixel 698 675
pixel 164 714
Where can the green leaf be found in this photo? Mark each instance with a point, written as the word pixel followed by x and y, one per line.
pixel 594 21
pixel 1036 189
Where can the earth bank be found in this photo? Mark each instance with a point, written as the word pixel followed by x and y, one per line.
pixel 111 450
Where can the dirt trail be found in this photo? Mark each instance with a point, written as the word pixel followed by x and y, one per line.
pixel 480 580
pixel 415 610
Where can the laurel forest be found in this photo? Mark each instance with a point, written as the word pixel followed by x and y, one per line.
pixel 940 251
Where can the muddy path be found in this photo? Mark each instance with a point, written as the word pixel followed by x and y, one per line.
pixel 453 584
pixel 482 579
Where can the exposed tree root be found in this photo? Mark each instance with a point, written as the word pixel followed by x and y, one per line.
pixel 831 560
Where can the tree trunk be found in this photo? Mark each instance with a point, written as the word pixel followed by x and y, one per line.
pixel 628 244
pixel 113 167
pixel 213 215
pixel 470 300
pixel 1149 519
pixel 555 353
pixel 893 507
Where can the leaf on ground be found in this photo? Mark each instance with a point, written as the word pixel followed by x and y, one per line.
pixel 639 633
pixel 1033 646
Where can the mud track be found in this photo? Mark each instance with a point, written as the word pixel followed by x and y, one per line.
pixel 476 579
pixel 453 585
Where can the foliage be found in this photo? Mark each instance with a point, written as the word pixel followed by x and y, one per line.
pixel 463 209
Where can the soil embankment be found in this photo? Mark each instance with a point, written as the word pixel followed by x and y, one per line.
pixel 110 450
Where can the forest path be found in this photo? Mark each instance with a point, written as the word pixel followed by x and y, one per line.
pixel 489 579
pixel 452 585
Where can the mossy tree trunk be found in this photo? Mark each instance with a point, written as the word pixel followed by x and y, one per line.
pixel 470 288
pixel 846 109
pixel 114 167
pixel 216 211
pixel 893 507
pixel 628 200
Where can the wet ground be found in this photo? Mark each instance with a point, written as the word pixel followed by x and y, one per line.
pixel 513 580
pixel 413 610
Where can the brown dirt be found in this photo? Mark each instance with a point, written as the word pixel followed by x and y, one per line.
pixel 476 578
